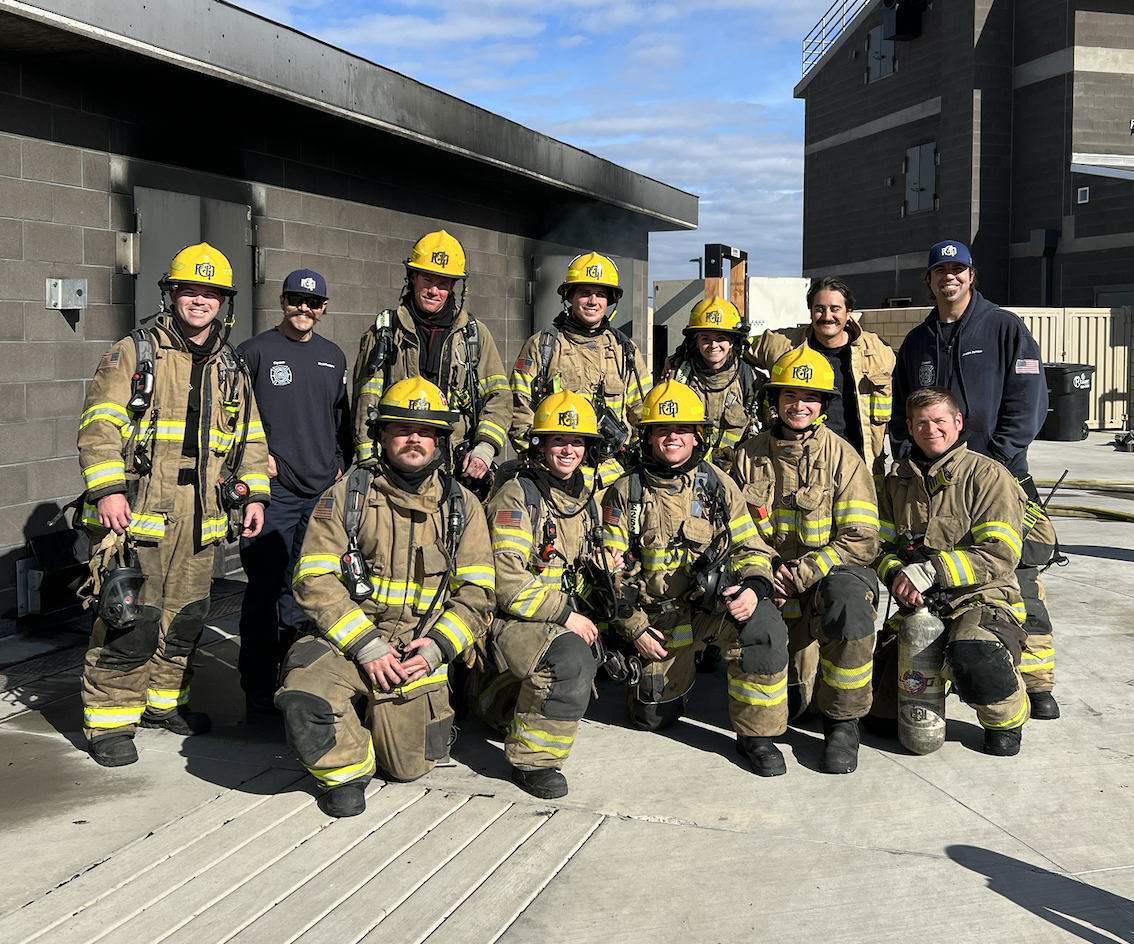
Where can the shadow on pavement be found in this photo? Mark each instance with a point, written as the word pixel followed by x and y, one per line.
pixel 1095 550
pixel 1083 910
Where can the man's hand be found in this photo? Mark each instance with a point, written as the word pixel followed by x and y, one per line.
pixel 253 519
pixel 114 512
pixel 388 672
pixel 476 462
pixel 415 666
pixel 583 627
pixel 741 604
pixel 783 583
pixel 649 645
pixel 272 470
pixel 905 592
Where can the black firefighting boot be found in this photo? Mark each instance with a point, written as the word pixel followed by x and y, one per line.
pixel 180 721
pixel 1003 743
pixel 840 746
pixel 1044 706
pixel 113 750
pixel 765 758
pixel 547 783
pixel 347 799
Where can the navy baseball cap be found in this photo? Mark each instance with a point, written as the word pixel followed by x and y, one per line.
pixel 304 281
pixel 949 251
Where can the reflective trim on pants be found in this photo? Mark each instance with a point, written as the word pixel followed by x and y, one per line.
pixel 336 776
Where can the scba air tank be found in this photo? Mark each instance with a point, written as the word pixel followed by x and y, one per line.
pixel 921 690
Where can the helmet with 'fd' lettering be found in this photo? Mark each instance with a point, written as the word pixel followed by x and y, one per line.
pixel 716 314
pixel 199 265
pixel 416 400
pixel 440 254
pixel 566 414
pixel 672 403
pixel 591 269
pixel 803 369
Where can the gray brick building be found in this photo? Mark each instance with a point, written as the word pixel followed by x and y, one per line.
pixel 1008 124
pixel 130 129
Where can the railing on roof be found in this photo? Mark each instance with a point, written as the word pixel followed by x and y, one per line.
pixel 828 29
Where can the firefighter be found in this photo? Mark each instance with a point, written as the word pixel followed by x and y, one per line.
pixel 697 571
pixel 863 365
pixel 962 515
pixel 812 498
pixel 708 361
pixel 582 351
pixel 546 543
pixel 170 446
pixel 396 578
pixel 432 335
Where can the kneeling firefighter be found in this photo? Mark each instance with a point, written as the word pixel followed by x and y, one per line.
pixel 704 575
pixel 812 498
pixel 550 571
pixel 175 462
pixel 396 579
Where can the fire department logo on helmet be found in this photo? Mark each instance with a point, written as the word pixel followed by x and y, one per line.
pixel 440 258
pixel 803 372
pixel 308 284
pixel 569 418
pixel 714 316
pixel 949 251
pixel 205 270
pixel 668 408
pixel 421 403
pixel 594 271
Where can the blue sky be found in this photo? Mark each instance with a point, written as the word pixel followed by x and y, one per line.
pixel 695 93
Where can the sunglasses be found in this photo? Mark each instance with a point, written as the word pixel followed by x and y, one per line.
pixel 298 301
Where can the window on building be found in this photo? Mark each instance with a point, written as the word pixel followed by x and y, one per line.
pixel 921 178
pixel 879 55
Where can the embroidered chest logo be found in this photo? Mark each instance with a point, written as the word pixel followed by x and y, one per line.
pixel 926 373
pixel 280 374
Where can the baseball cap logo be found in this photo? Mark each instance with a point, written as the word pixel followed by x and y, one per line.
pixel 594 271
pixel 569 418
pixel 307 283
pixel 949 251
pixel 441 258
pixel 802 372
pixel 205 270
pixel 668 408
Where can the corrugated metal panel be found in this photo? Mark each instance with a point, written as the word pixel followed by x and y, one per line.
pixel 1047 327
pixel 1102 337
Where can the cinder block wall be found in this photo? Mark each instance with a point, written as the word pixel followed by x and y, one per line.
pixel 892 324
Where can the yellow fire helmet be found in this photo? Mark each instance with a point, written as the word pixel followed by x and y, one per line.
pixel 803 369
pixel 200 265
pixel 416 400
pixel 591 269
pixel 716 314
pixel 564 413
pixel 440 254
pixel 670 403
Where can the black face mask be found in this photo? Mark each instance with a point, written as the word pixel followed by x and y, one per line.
pixel 412 481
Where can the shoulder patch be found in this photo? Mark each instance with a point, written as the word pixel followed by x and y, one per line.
pixel 507 519
pixel 1027 366
pixel 612 516
pixel 323 507
pixel 524 364
pixel 110 360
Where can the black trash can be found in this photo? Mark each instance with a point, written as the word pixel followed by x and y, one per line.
pixel 1068 401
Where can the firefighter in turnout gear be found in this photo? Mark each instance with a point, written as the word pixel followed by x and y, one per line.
pixel 432 335
pixel 812 498
pixel 583 352
pixel 708 361
pixel 697 572
pixel 396 578
pixel 175 462
pixel 862 362
pixel 951 522
pixel 546 543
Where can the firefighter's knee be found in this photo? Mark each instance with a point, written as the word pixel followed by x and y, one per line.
pixel 764 641
pixel 572 668
pixel 309 725
pixel 848 595
pixel 982 670
pixel 185 629
pixel 124 650
pixel 655 717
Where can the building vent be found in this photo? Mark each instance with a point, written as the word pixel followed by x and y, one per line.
pixel 1084 195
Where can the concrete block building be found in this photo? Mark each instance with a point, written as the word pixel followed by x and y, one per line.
pixel 1008 124
pixel 131 129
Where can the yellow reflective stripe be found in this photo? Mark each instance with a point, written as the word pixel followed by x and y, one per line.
pixel 365 450
pixel 521 383
pixel 742 528
pixel 609 471
pixel 393 592
pixel 856 514
pixel 887 531
pixel 104 473
pixel 766 528
pixel 888 565
pixel 542 742
pixel 493 383
pixel 826 559
pixel 314 565
pixel 1020 611
pixel 881 407
pixel 511 539
pixel 754 693
pixel 792 609
pixel 844 678
pixel 1014 722
pixel 214 529
pixel 144 526
pixel 453 628
pixel 107 412
pixel 336 776
pixel 349 627
pixel 498 684
pixel 373 386
pixel 255 431
pixel 998 531
pixel 257 483
pixel 1037 660
pixel 615 538
pixel 477 575
pixel 492 432
pixel 528 600
pixel 790 521
pixel 100 717
pixel 440 674
pixel 957 568
pixel 166 698
pixel 679 636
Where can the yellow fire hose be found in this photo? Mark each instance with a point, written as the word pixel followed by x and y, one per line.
pixel 1082 511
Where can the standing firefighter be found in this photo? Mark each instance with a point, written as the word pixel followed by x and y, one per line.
pixel 432 336
pixel 583 352
pixel 951 523
pixel 175 462
pixel 702 573
pixel 396 576
pixel 708 361
pixel 546 542
pixel 812 498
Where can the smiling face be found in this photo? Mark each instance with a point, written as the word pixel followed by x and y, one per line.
pixel 799 409
pixel 829 314
pixel 714 346
pixel 430 292
pixel 673 443
pixel 951 283
pixel 563 454
pixel 301 313
pixel 589 303
pixel 935 428
pixel 196 307
pixel 409 447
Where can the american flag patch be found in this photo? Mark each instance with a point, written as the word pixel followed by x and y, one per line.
pixel 323 507
pixel 507 519
pixel 612 516
pixel 1027 365
pixel 109 361
pixel 524 364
